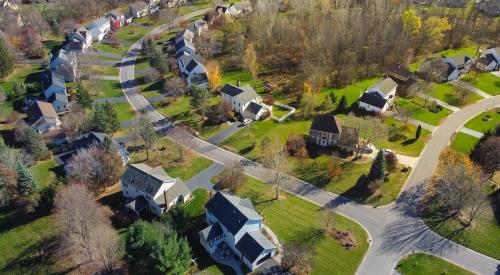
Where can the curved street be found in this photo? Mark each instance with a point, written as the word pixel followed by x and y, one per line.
pixel 394 230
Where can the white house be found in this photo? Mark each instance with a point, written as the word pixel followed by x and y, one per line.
pixel 184 59
pixel 184 46
pixel 116 18
pixel 152 189
pixel 79 41
pixel 489 60
pixel 185 34
pixel 65 63
pixel 195 73
pixel 43 117
pixel 234 221
pixel 245 101
pixel 53 83
pixel 379 97
pixel 99 28
pixel 458 64
pixel 138 9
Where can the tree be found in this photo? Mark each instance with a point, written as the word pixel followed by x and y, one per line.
pixel 486 154
pixel 296 259
pixel 148 45
pixel 18 90
pixel 76 123
pixel 34 144
pixel 175 85
pixel 418 132
pixel 296 146
pixel 328 104
pixel 342 107
pixel 220 112
pixel 377 171
pixel 158 60
pixel 27 184
pixel 146 132
pixel 391 161
pixel 334 170
pixel 100 118
pixel 83 97
pixel 405 114
pixel 157 248
pixel 411 22
pixel 214 74
pixel 370 130
pixel 462 94
pixel 307 100
pixel 433 32
pixel 250 61
pixel 6 63
pixel 199 99
pixel 182 141
pixel 113 124
pixel 31 43
pixel 231 178
pixel 276 160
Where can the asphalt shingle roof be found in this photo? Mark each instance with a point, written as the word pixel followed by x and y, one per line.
pixel 193 63
pixel 252 244
pixel 58 97
pixel 145 178
pixel 40 109
pixel 50 78
pixel 244 94
pixel 253 108
pixel 173 192
pixel 373 99
pixel 325 123
pixel 385 85
pixel 211 231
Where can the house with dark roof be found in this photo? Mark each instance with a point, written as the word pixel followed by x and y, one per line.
pixel 43 117
pixel 400 74
pixel 327 131
pixel 196 74
pixel 233 221
pixel 242 98
pixel 64 63
pixel 59 102
pixel 79 41
pixel 152 189
pixel 378 97
pixel 489 60
pixel 457 65
pixel 53 82
pixel 183 60
pixel 184 46
pixel 99 28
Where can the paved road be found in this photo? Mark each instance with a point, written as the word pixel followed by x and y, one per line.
pixel 394 230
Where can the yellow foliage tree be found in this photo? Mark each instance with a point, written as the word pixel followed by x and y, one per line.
pixel 214 74
pixel 250 61
pixel 411 22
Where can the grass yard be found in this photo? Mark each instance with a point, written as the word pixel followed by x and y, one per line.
pixel 103 88
pixel 351 92
pixel 209 131
pixel 246 141
pixel 446 93
pixel 463 142
pixel 279 111
pixel 485 82
pixel 232 77
pixel 315 172
pixel 151 88
pixel 132 33
pixel 22 73
pixel 422 113
pixel 107 48
pixel 102 70
pixel 124 111
pixel 422 264
pixel 295 220
pixel 42 171
pixel 477 123
pixel 190 169
pixel 402 138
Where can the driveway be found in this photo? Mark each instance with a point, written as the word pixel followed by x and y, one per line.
pixel 394 230
pixel 226 133
pixel 202 179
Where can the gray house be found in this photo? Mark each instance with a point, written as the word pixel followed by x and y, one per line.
pixel 324 131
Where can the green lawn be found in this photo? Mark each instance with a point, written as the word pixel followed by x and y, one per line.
pixel 401 138
pixel 180 111
pixel 463 142
pixel 279 111
pixel 485 82
pixel 102 70
pixel 107 48
pixel 351 92
pixel 422 113
pixel 124 111
pixel 232 77
pixel 295 220
pixel 190 169
pixel 22 73
pixel 446 93
pixel 315 172
pixel 196 206
pixel 423 264
pixel 470 51
pixel 151 88
pixel 132 33
pixel 103 88
pixel 209 131
pixel 42 171
pixel 480 125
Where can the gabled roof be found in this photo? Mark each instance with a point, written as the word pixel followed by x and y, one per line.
pixel 185 34
pixel 181 54
pixel 399 72
pixel 252 244
pixel 486 60
pixel 145 178
pixel 460 59
pixel 41 109
pixel 99 23
pixel 199 79
pixel 179 188
pixel 186 58
pixel 253 108
pixel 63 55
pixel 183 43
pixel 325 123
pixel 116 13
pixel 139 5
pixel 193 63
pixel 244 93
pixel 385 85
pixel 373 99
pixel 58 97
pixel 51 78
pixel 211 231
pixel 231 211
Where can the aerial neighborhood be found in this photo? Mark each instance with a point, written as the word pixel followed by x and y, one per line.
pixel 249 137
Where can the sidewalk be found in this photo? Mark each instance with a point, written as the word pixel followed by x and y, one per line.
pixel 440 102
pixel 471 132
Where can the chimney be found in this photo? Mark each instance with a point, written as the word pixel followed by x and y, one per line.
pixel 165 198
pixel 238 83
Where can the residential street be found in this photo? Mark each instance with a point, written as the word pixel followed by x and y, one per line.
pixel 394 230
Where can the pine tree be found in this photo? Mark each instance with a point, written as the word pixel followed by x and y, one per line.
pixel 333 97
pixel 18 89
pixel 112 122
pixel 34 144
pixel 199 99
pixel 26 183
pixel 110 146
pixel 100 118
pixel 377 171
pixel 419 132
pixel 83 97
pixel 328 104
pixel 6 63
pixel 342 107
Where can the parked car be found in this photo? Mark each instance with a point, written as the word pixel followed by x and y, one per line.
pixel 368 149
pixel 246 121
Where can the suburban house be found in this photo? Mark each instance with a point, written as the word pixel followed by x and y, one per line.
pixel 151 189
pixel 43 117
pixel 64 63
pixel 379 97
pixel 196 74
pixel 79 41
pixel 85 142
pixel 198 27
pixel 53 83
pixel 99 28
pixel 59 102
pixel 116 18
pixel 175 3
pixel 489 59
pixel 128 19
pixel 240 99
pixel 400 74
pixel 138 9
pixel 327 131
pixel 458 64
pixel 184 59
pixel 233 221
pixel 184 46
pixel 185 34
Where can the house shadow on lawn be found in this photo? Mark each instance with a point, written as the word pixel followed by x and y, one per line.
pixel 38 258
pixel 15 217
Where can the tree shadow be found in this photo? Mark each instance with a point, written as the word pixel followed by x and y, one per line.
pixel 16 218
pixel 359 192
pixel 314 173
pixel 38 258
pixel 408 142
pixel 308 237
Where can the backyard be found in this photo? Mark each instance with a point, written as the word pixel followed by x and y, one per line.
pixel 351 92
pixel 422 264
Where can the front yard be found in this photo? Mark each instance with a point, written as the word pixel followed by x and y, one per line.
pixel 402 138
pixel 419 112
pixel 463 142
pixel 485 82
pixel 446 92
pixel 485 121
pixel 124 111
pixel 103 88
pixel 421 264
pixel 132 33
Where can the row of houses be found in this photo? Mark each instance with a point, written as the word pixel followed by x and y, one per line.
pixel 190 64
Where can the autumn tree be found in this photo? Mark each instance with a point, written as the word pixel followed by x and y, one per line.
pixel 296 146
pixel 220 112
pixel 462 94
pixel 307 100
pixel 334 170
pixel 146 132
pixel 432 35
pixel 31 43
pixel 231 178
pixel 250 61
pixel 296 259
pixel 412 23
pixel 6 62
pixel 275 158
pixel 370 130
pixel 214 74
pixel 391 161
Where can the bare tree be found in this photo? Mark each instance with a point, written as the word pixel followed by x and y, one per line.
pixel 276 159
pixel 76 123
pixel 175 86
pixel 296 259
pixel 106 244
pixel 405 114
pixel 328 218
pixel 462 94
pixel 369 130
pixel 182 140
pixel 145 131
pixel 231 178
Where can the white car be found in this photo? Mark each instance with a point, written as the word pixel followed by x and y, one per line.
pixel 246 121
pixel 368 149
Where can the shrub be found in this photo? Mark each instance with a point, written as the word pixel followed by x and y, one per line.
pixel 296 146
pixel 334 170
pixel 391 161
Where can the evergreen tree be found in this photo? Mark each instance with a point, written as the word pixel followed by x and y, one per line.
pixel 342 107
pixel 83 97
pixel 333 97
pixel 100 118
pixel 327 104
pixel 199 99
pixel 18 89
pixel 34 144
pixel 110 146
pixel 419 132
pixel 6 63
pixel 112 122
pixel 158 61
pixel 377 171
pixel 26 183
